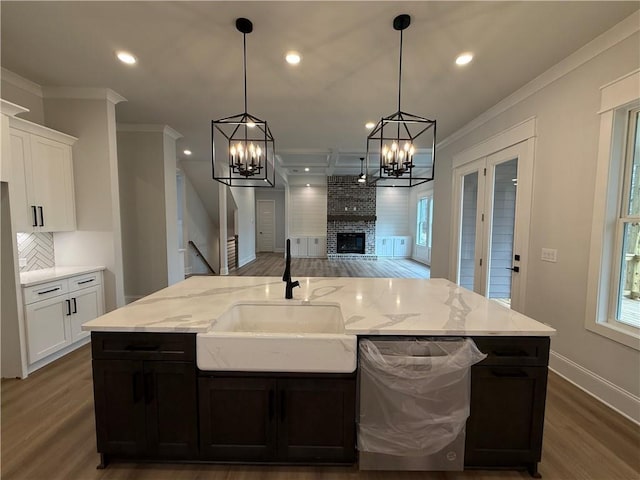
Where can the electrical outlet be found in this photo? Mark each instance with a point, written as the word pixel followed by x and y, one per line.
pixel 549 255
pixel 22 262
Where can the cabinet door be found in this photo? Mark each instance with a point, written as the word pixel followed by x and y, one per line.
pixel 86 305
pixel 172 419
pixel 507 416
pixel 401 246
pixel 316 420
pixel 47 327
pixel 237 418
pixel 384 246
pixel 118 390
pixel 22 212
pixel 52 184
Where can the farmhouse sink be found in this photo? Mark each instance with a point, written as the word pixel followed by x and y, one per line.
pixel 278 337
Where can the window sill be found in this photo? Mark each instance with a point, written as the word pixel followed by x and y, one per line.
pixel 616 333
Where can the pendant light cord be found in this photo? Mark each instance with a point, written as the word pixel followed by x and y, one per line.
pixel 400 72
pixel 244 56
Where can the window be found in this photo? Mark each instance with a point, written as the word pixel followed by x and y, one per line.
pixel 424 221
pixel 613 285
pixel 626 283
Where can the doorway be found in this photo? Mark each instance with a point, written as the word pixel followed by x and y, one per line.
pixel 492 204
pixel 266 225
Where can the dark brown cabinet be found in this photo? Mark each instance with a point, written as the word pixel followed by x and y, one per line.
pixel 508 391
pixel 283 419
pixel 146 406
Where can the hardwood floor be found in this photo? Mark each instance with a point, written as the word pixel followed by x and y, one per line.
pixel 48 433
pixel 272 264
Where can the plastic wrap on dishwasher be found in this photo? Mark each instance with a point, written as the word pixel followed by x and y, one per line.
pixel 418 393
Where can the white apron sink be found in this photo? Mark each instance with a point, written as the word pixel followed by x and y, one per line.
pixel 278 337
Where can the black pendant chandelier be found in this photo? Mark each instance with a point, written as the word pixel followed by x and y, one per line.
pixel 242 146
pixel 403 144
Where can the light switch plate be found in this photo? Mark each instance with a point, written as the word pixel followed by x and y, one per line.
pixel 549 255
pixel 22 262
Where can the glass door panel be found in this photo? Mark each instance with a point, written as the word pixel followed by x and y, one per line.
pixel 501 238
pixel 467 256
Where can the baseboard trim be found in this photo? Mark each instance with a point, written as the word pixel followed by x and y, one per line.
pixel 625 403
pixel 242 262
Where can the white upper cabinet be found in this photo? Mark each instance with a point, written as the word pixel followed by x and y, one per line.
pixel 41 183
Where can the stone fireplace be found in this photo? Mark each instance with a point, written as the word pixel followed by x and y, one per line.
pixel 351 214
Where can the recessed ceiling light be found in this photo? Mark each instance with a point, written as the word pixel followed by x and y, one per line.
pixel 308 185
pixel 126 57
pixel 293 58
pixel 369 125
pixel 187 152
pixel 464 58
pixel 250 124
pixel 306 169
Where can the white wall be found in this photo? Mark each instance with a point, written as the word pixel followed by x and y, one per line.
pixel 307 210
pixel 25 93
pixel 567 120
pixel 142 189
pixel 246 202
pixel 392 212
pixel 278 197
pixel 97 240
pixel 201 230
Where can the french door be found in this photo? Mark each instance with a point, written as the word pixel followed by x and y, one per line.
pixel 492 199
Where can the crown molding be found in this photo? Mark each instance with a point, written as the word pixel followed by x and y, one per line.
pixel 595 47
pixel 21 82
pixel 11 109
pixel 83 93
pixel 41 130
pixel 149 128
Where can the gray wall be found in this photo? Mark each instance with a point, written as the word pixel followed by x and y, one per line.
pixel 567 117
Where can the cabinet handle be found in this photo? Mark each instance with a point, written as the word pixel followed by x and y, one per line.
pixel 271 404
pixel 68 307
pixel 509 374
pixel 283 405
pixel 86 281
pixel 148 387
pixel 49 291
pixel 41 216
pixel 137 390
pixel 142 348
pixel 35 216
pixel 75 306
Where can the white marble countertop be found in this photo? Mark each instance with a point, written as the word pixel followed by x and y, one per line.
pixel 34 277
pixel 370 306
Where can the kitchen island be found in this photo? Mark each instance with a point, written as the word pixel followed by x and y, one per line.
pixel 154 402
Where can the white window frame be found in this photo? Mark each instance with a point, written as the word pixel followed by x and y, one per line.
pixel 428 199
pixel 618 99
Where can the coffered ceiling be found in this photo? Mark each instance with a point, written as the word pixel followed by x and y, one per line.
pixel 189 68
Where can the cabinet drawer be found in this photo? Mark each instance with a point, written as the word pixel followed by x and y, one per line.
pixel 523 351
pixel 85 281
pixel 44 291
pixel 144 346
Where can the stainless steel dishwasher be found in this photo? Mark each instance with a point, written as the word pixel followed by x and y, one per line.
pixel 414 402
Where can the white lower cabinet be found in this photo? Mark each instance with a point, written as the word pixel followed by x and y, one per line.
pixel 312 247
pixel 56 310
pixel 396 246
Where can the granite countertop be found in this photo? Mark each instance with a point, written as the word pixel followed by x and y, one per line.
pixel 370 306
pixel 34 277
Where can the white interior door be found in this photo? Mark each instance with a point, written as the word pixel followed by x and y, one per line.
pixel 492 202
pixel 266 225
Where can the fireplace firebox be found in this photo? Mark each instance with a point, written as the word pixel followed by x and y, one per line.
pixel 350 243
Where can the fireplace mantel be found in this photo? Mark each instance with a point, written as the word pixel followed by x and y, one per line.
pixel 351 218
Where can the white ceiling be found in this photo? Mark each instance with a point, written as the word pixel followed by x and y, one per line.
pixel 190 63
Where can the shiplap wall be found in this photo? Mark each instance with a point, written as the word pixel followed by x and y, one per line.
pixel 308 211
pixel 392 210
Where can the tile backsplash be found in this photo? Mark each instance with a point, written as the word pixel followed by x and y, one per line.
pixel 37 250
